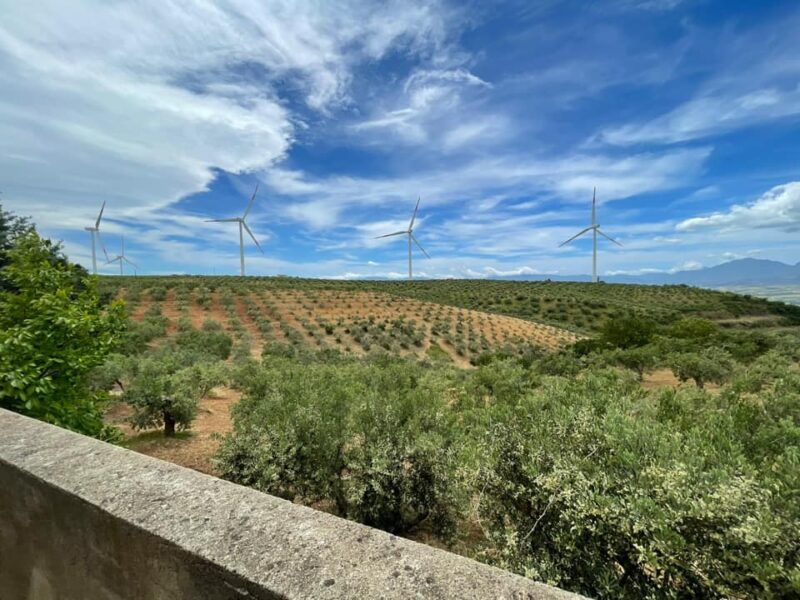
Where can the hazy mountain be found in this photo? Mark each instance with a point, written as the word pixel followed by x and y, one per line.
pixel 745 271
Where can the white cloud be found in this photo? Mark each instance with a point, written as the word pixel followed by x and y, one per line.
pixel 779 208
pixel 138 103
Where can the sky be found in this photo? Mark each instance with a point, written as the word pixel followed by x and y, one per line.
pixel 500 117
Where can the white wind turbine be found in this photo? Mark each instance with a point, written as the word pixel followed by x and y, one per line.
pixel 95 231
pixel 121 258
pixel 242 227
pixel 410 233
pixel 595 229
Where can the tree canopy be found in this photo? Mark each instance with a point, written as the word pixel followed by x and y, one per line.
pixel 53 332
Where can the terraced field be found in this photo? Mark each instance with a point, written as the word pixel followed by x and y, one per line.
pixel 578 307
pixel 349 321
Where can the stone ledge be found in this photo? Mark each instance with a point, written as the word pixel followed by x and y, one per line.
pixel 83 519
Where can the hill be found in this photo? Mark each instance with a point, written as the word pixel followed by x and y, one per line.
pixel 578 307
pixel 353 321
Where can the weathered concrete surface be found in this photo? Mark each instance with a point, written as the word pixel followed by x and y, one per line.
pixel 80 519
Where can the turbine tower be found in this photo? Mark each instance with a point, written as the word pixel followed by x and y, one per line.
pixel 410 233
pixel 121 258
pixel 595 229
pixel 95 231
pixel 242 227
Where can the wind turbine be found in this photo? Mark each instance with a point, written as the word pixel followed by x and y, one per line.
pixel 410 233
pixel 595 229
pixel 95 231
pixel 121 258
pixel 242 227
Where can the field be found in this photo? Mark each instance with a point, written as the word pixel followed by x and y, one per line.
pixel 350 321
pixel 779 293
pixel 578 307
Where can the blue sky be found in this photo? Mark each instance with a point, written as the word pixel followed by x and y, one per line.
pixel 502 117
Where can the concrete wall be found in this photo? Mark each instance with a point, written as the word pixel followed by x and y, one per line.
pixel 80 519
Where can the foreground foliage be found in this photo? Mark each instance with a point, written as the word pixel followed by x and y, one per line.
pixel 370 438
pixel 585 481
pixel 53 332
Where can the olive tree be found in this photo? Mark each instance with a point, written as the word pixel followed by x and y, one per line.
pixel 712 365
pixel 165 393
pixel 637 359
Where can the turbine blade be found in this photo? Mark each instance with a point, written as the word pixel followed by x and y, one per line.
pixel 608 237
pixel 390 234
pixel 129 261
pixel 102 245
pixel 419 245
pixel 577 235
pixel 414 216
pixel 232 220
pixel 252 236
pixel 100 216
pixel 250 205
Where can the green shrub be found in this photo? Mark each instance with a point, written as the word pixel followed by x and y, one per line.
pixel 590 488
pixel 693 328
pixel 213 343
pixel 627 332
pixel 158 293
pixel 710 365
pixel 53 333
pixel 373 439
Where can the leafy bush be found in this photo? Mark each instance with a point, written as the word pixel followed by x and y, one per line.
pixel 213 343
pixel 693 328
pixel 627 332
pixel 711 365
pixel 370 438
pixel 158 293
pixel 53 333
pixel 637 359
pixel 589 488
pixel 112 372
pixel 138 335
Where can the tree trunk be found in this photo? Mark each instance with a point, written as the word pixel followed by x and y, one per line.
pixel 169 424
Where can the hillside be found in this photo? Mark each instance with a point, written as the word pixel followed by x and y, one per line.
pixel 310 306
pixel 351 321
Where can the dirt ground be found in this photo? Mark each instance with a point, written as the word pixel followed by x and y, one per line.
pixel 194 448
pixel 665 378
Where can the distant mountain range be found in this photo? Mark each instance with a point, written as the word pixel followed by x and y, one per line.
pixel 742 272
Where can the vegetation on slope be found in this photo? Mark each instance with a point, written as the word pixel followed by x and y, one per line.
pixel 580 307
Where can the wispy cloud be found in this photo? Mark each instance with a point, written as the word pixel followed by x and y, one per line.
pixel 143 103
